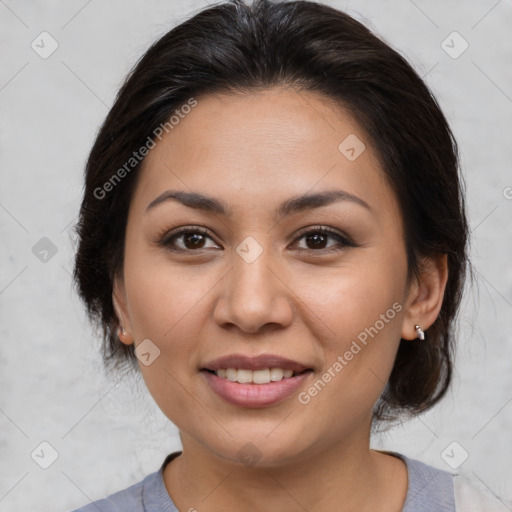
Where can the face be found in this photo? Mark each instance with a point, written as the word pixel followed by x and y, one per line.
pixel 320 282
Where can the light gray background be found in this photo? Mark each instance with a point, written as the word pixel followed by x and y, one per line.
pixel 109 435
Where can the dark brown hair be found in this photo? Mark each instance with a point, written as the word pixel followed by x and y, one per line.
pixel 234 47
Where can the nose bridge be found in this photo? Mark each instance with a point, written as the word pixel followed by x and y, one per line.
pixel 253 294
pixel 251 271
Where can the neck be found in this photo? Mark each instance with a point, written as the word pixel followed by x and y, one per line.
pixel 344 478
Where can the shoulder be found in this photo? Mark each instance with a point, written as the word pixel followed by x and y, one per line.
pixel 148 495
pixel 473 497
pixel 429 488
pixel 432 487
pixel 126 500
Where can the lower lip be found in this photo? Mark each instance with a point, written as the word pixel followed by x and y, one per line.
pixel 255 395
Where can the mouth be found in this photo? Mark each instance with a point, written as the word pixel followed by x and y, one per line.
pixel 262 376
pixel 260 381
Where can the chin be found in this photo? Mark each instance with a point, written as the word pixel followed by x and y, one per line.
pixel 259 450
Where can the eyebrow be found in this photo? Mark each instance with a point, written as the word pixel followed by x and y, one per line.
pixel 289 207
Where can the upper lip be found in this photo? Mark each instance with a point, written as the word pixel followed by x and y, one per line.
pixel 255 363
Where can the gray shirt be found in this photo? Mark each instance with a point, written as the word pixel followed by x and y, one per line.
pixel 429 490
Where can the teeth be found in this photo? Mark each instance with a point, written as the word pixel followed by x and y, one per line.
pixel 263 376
pixel 260 376
pixel 231 374
pixel 244 376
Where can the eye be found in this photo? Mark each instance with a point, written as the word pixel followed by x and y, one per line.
pixel 317 239
pixel 189 239
pixel 196 239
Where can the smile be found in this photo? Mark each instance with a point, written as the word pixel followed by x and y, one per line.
pixel 263 376
pixel 250 394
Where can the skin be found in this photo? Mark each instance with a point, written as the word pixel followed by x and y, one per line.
pixel 297 299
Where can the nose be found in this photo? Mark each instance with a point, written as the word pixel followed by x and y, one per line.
pixel 254 296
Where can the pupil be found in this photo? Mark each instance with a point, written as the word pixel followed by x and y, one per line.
pixel 196 239
pixel 318 239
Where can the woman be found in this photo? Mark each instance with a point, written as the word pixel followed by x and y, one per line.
pixel 273 231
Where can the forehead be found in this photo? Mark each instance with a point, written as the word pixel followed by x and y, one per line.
pixel 272 144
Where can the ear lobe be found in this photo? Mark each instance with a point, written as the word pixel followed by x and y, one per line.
pixel 119 303
pixel 426 295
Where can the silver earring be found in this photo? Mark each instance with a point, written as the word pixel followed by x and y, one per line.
pixel 123 330
pixel 421 333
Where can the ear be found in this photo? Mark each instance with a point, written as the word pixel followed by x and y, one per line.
pixel 425 296
pixel 119 302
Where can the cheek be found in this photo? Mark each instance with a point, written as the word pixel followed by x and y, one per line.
pixel 354 298
pixel 162 298
pixel 169 307
pixel 165 307
pixel 356 314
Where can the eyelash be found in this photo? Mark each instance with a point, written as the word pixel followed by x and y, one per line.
pixel 344 241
